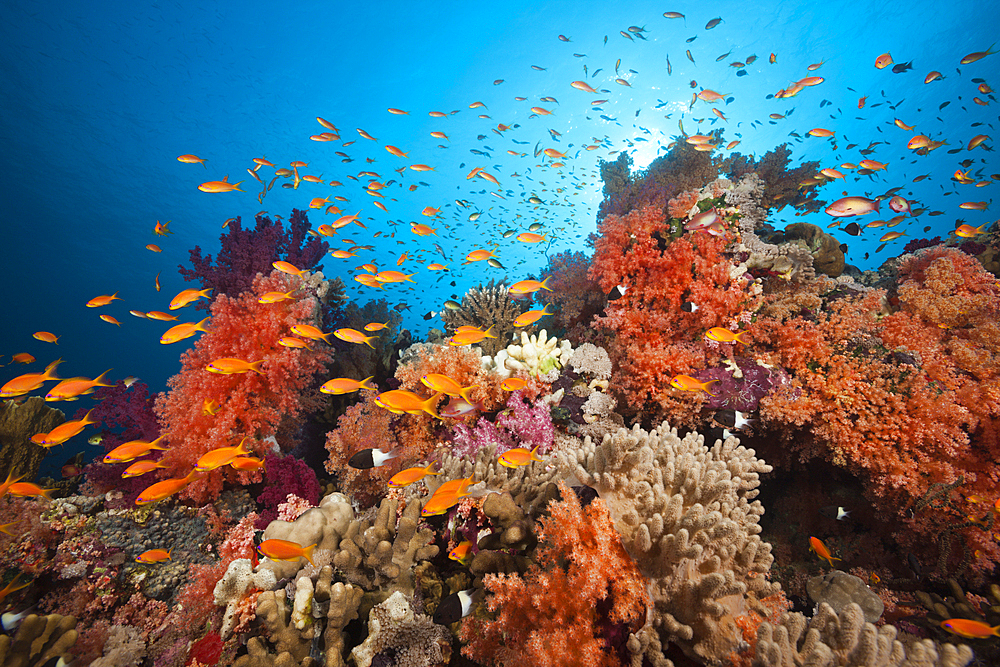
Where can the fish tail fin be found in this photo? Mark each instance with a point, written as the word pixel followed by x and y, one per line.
pixel 242 448
pixel 326 337
pixel 368 341
pixel 168 554
pixel 428 405
pixel 368 383
pixel 489 333
pixel 50 369
pixel 545 284
pixel 465 393
pixel 430 469
pixel 705 386
pixel 156 444
pixel 205 292
pixel 45 493
pixel 878 202
pixel 255 367
pixel 739 338
pixel 99 381
pixel 237 187
pixel 201 325
pixel 307 553
pixel 534 455
pixel 87 420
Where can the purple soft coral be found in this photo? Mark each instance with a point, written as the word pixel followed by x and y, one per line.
pixel 520 425
pixel 741 390
pixel 285 474
pixel 245 253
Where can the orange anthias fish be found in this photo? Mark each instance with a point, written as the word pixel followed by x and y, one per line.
pixel 29 490
pixel 883 61
pixel 188 296
pixel 12 587
pixel 978 55
pixel 192 159
pixel 338 386
pixel 399 401
pixel 412 475
pixel 275 297
pixel 531 237
pixel 446 496
pixel 470 337
pixel 133 450
pixel 444 384
pixel 462 553
pixel 479 255
pixel 22 384
pixel 222 456
pixel 67 430
pixel 153 556
pixel 5 487
pixel 77 387
pixel 231 366
pixel 166 488
pixel 103 300
pixel 515 458
pixel 724 335
pixel 285 550
pixel 513 384
pixel 355 336
pixel 688 383
pixel 422 230
pixel 46 337
pixel 968 231
pixel 531 316
pixel 161 229
pixel 141 468
pixel 584 86
pixel 815 544
pixel 310 332
pixel 964 627
pixel 220 186
pixel 529 286
pixel 183 331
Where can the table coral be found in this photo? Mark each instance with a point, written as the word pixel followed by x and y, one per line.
pixel 253 405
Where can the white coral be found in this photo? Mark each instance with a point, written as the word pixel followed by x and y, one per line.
pixel 539 354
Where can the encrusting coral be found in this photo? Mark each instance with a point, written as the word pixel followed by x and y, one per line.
pixel 686 513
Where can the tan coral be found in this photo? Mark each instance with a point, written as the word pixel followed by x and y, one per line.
pixel 687 515
pixel 381 552
pixel 39 639
pixel 829 640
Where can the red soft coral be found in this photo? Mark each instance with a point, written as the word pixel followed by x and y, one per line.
pixel 655 338
pixel 574 606
pixel 253 405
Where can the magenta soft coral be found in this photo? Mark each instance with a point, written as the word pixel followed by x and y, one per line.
pixel 576 604
pixel 253 405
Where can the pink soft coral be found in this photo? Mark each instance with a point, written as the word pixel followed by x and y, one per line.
pixel 576 603
pixel 253 405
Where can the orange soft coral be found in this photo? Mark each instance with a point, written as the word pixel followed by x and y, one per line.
pixel 253 405
pixel 582 590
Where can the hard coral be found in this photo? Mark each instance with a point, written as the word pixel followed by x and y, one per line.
pixel 254 405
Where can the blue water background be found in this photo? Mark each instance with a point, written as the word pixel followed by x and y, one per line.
pixel 100 98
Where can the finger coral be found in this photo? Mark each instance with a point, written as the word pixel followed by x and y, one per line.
pixel 686 513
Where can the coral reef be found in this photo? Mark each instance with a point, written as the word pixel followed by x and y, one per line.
pixel 19 456
pixel 38 640
pixel 487 306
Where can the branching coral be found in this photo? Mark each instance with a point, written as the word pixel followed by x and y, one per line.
pixel 486 306
pixel 253 405
pixel 575 297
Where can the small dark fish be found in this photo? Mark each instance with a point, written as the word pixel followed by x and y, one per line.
pixel 507 234
pixel 711 24
pixel 943 105
pixel 599 69
pixel 902 67
pixel 495 263
pixel 689 306
pixel 430 315
pixel 371 458
pixel 913 564
pixel 617 292
pixel 690 57
pixel 927 229
pixel 723 56
pixel 742 72
pixel 538 69
pixel 750 60
pixel 456 606
pixel 843 248
pixel 880 248
pixel 625 34
pixel 853 229
pixel 834 512
pixel 670 69
pixel 866 255
pixel 535 226
pixel 452 305
pixel 690 39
